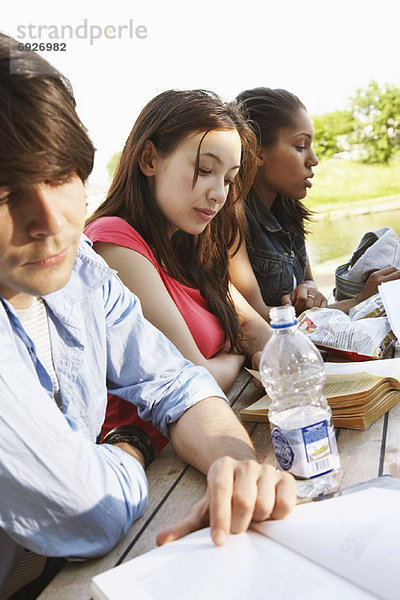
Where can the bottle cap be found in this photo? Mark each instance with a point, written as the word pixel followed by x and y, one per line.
pixel 282 316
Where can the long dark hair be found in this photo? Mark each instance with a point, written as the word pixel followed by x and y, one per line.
pixel 41 135
pixel 268 111
pixel 200 261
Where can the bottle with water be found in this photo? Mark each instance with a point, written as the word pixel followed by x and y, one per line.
pixel 303 436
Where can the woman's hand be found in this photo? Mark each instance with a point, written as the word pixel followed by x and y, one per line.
pixel 375 279
pixel 238 492
pixel 370 288
pixel 305 296
pixel 255 360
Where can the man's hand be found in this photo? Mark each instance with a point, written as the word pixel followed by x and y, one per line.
pixel 210 437
pixel 238 492
pixel 305 296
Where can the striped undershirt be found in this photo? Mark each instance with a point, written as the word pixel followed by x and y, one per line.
pixel 34 319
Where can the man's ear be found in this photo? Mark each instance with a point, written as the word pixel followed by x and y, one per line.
pixel 148 158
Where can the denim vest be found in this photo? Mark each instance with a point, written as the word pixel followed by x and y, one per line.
pixel 278 256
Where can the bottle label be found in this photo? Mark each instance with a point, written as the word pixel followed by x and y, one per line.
pixel 283 451
pixel 307 452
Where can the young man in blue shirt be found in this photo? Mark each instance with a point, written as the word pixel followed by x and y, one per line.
pixel 69 330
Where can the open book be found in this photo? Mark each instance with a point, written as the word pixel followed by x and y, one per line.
pixel 344 547
pixel 390 293
pixel 358 393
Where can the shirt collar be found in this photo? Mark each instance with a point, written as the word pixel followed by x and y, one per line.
pixel 264 215
pixel 90 272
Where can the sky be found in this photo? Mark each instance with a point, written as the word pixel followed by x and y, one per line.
pixel 322 50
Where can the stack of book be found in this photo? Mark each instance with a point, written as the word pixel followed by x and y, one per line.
pixel 358 393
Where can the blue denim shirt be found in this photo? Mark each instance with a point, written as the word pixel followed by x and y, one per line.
pixel 277 255
pixel 60 493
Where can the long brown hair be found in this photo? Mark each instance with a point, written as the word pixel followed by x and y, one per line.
pixel 268 111
pixel 200 261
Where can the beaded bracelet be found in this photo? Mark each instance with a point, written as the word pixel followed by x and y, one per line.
pixel 136 437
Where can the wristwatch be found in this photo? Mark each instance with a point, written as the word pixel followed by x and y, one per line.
pixel 136 437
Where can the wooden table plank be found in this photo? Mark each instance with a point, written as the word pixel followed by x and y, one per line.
pixel 391 462
pixel 360 453
pixel 174 487
pixel 182 497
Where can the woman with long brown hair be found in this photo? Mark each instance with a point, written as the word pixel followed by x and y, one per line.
pixel 169 221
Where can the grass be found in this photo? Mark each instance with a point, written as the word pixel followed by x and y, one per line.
pixel 339 182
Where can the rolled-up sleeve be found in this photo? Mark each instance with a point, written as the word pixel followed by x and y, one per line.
pixel 145 368
pixel 61 494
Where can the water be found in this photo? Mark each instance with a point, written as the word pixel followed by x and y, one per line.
pixel 332 242
pixel 302 432
pixel 299 382
pixel 338 238
pixel 304 437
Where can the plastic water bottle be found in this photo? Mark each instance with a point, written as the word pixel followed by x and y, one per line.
pixel 303 436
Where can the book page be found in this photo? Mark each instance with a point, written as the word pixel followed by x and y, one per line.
pixel 363 389
pixel 390 294
pixel 389 367
pixel 260 405
pixel 356 535
pixel 255 374
pixel 248 566
pixel 353 383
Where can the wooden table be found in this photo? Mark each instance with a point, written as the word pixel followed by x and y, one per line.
pixel 174 487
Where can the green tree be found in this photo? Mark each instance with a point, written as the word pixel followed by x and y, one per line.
pixel 331 132
pixel 377 110
pixel 112 164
